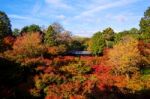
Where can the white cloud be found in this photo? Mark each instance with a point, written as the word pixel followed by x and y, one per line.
pixel 14 16
pixel 57 3
pixel 93 10
pixel 117 17
pixel 120 18
pixel 26 19
pixel 84 33
pixel 83 17
pixel 61 17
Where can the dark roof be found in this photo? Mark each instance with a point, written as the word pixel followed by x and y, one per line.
pixel 80 52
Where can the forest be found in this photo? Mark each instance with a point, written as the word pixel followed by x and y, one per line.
pixel 36 62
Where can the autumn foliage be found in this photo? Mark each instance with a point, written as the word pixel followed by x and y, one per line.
pixel 125 56
pixel 38 65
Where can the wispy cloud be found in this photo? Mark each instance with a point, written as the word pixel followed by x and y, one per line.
pixel 82 17
pixel 58 3
pixel 37 6
pixel 22 21
pixel 105 6
pixel 122 17
pixel 117 17
pixel 14 16
pixel 61 17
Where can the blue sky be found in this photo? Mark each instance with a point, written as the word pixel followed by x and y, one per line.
pixel 81 17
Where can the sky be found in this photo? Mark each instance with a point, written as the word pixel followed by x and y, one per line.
pixel 81 17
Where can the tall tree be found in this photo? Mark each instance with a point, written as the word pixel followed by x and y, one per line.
pixel 145 26
pixel 108 34
pixel 16 32
pixel 97 43
pixel 50 36
pixel 145 22
pixel 58 28
pixel 5 26
pixel 64 38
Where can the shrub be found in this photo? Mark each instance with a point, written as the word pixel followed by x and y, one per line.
pixel 26 47
pixel 76 69
pixel 57 50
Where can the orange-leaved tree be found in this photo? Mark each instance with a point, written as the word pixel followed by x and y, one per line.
pixel 27 46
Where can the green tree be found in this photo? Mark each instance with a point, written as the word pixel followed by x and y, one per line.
pixel 5 27
pixel 97 43
pixel 145 26
pixel 145 37
pixel 108 34
pixel 79 43
pixel 50 36
pixel 133 30
pixel 76 45
pixel 31 28
pixel 24 29
pixel 145 22
pixel 16 32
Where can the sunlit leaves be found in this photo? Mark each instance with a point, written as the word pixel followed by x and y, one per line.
pixel 125 56
pixel 25 47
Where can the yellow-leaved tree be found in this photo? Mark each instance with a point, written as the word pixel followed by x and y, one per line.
pixel 125 56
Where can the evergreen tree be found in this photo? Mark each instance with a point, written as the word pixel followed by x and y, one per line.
pixel 16 32
pixel 145 26
pixel 97 44
pixel 145 22
pixel 108 34
pixel 49 38
pixel 5 27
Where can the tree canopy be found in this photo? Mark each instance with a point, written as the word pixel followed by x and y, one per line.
pixel 50 36
pixel 145 22
pixel 30 29
pixel 125 56
pixel 5 27
pixel 97 43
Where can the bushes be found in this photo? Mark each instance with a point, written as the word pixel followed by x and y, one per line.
pixel 44 73
pixel 70 79
pixel 80 77
pixel 71 90
pixel 57 50
pixel 76 69
pixel 144 49
pixel 29 45
pixel 25 47
pixel 8 42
